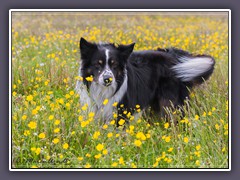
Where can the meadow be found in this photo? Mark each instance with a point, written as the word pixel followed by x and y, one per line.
pixel 51 130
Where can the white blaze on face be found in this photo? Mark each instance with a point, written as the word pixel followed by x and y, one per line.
pixel 107 71
pixel 107 56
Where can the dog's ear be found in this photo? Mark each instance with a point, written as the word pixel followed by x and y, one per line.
pixel 86 48
pixel 126 50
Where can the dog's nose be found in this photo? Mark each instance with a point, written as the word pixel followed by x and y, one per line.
pixel 107 80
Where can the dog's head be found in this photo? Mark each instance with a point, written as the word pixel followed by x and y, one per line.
pixel 104 62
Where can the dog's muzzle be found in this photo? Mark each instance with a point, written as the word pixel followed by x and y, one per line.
pixel 106 78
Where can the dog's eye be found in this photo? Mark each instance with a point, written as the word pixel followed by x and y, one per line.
pixel 112 61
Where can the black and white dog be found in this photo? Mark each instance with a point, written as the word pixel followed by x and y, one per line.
pixel 155 78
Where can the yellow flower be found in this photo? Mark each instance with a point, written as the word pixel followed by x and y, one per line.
pixel 14 93
pixel 99 147
pixel 71 93
pixel 137 106
pixel 133 165
pixel 98 156
pixel 90 79
pixel 80 158
pixel 197 153
pixel 105 151
pixel 148 136
pixel 121 161
pixel 56 130
pixel 34 112
pixel 29 98
pixel 166 125
pixel 137 143
pixel 68 105
pixel 26 132
pixel 109 135
pixel 185 120
pixel 37 151
pixel 197 162
pixel 105 126
pixel 61 101
pixel 84 108
pixel 65 146
pixel 115 115
pixel 41 135
pixel 84 123
pixel 185 139
pixel 24 117
pixel 163 155
pixel 32 125
pixel 204 114
pixel 192 95
pixel 114 104
pixel 170 149
pixel 105 101
pixel 226 133
pixel 87 165
pixel 196 117
pixel 55 140
pixel 49 92
pixel 80 118
pixel 79 78
pixel 223 149
pixel 121 122
pixel 57 122
pixel 46 83
pixel 141 136
pixel 112 122
pixel 209 113
pixel 114 164
pixel 51 117
pixel 168 139
pixel 213 109
pixel 67 96
pixel 155 164
pixel 217 126
pixel 48 157
pixel 96 134
pixel 198 147
pixel 88 155
pixel 34 166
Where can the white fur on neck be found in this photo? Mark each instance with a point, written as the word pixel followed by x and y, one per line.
pixel 81 89
pixel 99 93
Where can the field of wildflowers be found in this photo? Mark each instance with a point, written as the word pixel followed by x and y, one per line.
pixel 51 130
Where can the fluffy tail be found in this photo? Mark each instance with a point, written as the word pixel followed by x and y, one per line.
pixel 190 68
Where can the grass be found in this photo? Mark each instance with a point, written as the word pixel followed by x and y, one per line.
pixel 51 130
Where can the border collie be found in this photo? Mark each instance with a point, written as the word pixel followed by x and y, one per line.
pixel 131 79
